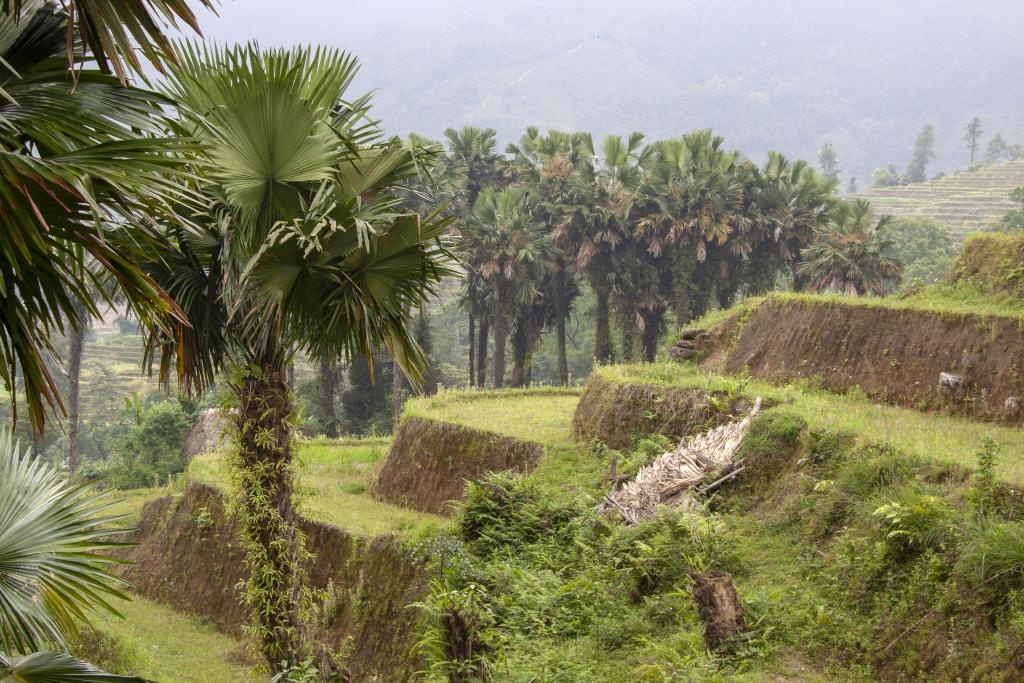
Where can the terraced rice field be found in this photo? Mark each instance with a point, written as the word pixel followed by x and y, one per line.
pixel 965 202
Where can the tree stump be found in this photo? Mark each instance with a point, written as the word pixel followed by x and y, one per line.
pixel 719 607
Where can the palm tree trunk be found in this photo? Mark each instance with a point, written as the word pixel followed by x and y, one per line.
pixel 326 380
pixel 520 342
pixel 76 346
pixel 627 326
pixel 472 348
pixel 273 546
pixel 561 316
pixel 500 337
pixel 794 265
pixel 603 351
pixel 397 384
pixel 481 352
pixel 652 329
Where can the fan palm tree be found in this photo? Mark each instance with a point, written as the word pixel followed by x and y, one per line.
pixel 789 202
pixel 693 206
pixel 114 31
pixel 853 255
pixel 549 165
pixel 598 224
pixel 81 174
pixel 470 165
pixel 53 572
pixel 508 250
pixel 304 246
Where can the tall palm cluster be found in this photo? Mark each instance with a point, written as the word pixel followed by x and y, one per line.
pixel 653 232
pixel 249 211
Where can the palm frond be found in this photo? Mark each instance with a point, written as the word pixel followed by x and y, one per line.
pixel 52 535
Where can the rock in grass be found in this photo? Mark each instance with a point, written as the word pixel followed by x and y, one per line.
pixel 208 433
pixel 950 384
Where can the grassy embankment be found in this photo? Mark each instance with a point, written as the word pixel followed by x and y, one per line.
pixel 157 643
pixel 941 438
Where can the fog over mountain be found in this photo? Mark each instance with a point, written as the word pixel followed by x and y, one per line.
pixel 787 75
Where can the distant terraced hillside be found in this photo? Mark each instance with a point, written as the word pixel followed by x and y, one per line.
pixel 965 202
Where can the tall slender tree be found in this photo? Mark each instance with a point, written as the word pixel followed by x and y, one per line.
pixel 828 160
pixel 471 164
pixel 507 248
pixel 924 152
pixel 972 136
pixel 550 165
pixel 302 244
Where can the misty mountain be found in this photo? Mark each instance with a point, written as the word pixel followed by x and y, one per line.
pixel 767 75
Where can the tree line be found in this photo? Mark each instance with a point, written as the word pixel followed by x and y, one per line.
pixel 653 232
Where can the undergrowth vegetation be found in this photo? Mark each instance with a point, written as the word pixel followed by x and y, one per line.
pixel 867 560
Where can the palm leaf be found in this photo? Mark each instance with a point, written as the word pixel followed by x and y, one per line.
pixel 52 534
pixel 55 667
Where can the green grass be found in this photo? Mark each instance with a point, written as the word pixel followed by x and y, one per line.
pixel 541 415
pixel 334 480
pixel 942 438
pixel 171 647
pixel 960 299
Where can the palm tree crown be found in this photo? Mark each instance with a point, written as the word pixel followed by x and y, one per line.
pixel 851 255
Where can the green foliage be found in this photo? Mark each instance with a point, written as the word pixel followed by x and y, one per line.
pixel 924 247
pixel 303 672
pixel 924 152
pixel 658 555
pixel 150 451
pixel 107 651
pixel 913 522
pixel 506 510
pixel 993 556
pixel 853 255
pixel 983 493
pixel 367 407
pixel 87 166
pixel 55 570
pixel 1013 221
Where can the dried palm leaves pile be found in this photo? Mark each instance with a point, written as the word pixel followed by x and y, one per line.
pixel 676 478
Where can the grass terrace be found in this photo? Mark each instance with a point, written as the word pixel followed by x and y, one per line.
pixel 335 477
pixel 196 652
pixel 941 438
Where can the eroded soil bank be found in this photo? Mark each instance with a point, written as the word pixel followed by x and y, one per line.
pixel 188 556
pixel 895 355
pixel 430 462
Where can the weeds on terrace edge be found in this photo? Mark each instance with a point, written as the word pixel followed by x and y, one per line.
pixel 526 572
pixel 910 558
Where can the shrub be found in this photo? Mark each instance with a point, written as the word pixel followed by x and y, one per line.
pixel 912 522
pixel 660 553
pixel 150 451
pixel 505 510
pixel 983 492
pixel 871 469
pixel 107 652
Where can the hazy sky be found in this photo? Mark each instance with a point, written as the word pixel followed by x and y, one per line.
pixel 768 74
